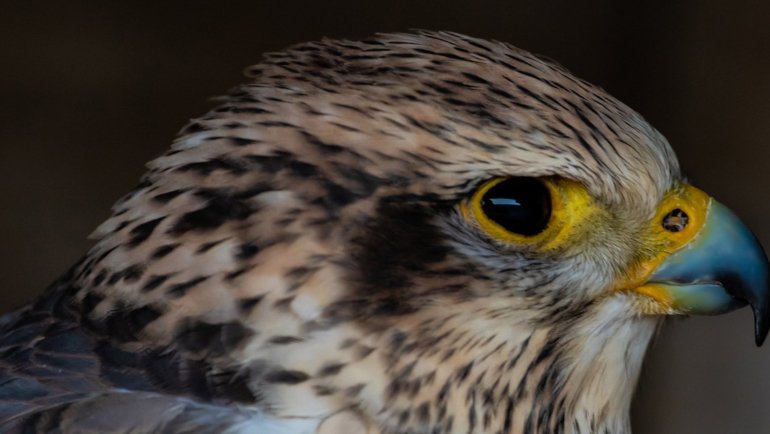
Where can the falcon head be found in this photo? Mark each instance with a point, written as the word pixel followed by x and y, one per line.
pixel 437 233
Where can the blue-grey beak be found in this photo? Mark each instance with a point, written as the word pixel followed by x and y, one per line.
pixel 724 267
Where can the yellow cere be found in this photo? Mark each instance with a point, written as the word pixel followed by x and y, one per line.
pixel 659 243
pixel 571 207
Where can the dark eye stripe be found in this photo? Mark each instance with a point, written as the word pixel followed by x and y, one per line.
pixel 520 205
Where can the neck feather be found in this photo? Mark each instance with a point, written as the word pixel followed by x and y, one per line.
pixel 577 378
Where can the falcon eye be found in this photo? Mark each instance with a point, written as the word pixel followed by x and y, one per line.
pixel 542 214
pixel 520 205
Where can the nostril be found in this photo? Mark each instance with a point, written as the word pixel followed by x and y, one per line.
pixel 676 220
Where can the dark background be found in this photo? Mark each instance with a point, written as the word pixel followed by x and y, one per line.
pixel 90 90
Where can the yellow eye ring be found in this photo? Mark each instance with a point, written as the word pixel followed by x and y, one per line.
pixel 570 206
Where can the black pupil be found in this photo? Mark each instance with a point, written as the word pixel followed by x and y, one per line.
pixel 520 205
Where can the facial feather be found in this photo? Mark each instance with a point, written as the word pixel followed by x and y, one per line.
pixel 369 158
pixel 300 248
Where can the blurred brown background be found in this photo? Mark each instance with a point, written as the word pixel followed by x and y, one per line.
pixel 90 90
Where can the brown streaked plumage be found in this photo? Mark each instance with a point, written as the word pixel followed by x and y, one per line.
pixel 299 254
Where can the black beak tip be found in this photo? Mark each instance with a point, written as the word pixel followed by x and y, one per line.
pixel 761 322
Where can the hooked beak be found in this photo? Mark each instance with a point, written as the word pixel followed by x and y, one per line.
pixel 723 267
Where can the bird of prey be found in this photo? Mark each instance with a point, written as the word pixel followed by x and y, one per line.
pixel 412 233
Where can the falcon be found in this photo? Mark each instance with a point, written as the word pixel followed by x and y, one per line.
pixel 412 233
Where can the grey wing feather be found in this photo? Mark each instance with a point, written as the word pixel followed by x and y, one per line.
pixel 120 411
pixel 57 376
